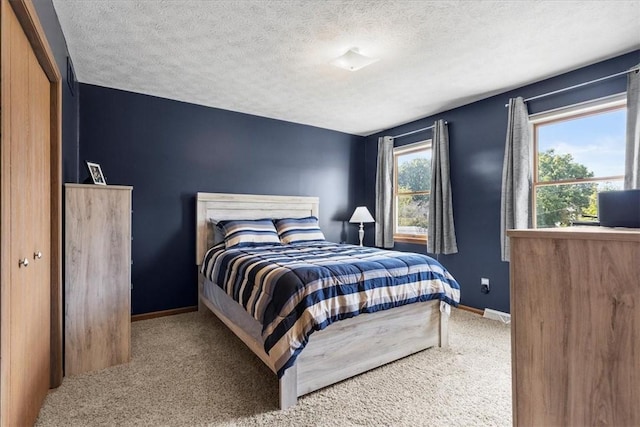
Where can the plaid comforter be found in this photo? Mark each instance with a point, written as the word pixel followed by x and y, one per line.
pixel 295 289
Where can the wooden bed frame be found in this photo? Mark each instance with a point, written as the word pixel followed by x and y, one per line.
pixel 342 350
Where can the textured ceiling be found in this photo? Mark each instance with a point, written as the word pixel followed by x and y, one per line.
pixel 271 58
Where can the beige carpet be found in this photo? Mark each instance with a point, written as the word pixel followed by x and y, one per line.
pixel 190 369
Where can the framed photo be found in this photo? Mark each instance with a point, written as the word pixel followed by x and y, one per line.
pixel 95 172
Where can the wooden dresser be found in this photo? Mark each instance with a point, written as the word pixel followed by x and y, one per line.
pixel 97 276
pixel 575 337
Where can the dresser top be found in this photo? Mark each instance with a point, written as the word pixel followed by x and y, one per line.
pixel 98 187
pixel 579 232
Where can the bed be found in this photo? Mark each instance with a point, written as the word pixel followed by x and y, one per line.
pixel 342 349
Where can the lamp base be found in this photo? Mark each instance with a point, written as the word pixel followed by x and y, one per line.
pixel 361 233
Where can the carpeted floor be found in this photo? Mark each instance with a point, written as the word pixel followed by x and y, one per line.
pixel 190 369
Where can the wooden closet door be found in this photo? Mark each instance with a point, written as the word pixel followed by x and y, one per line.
pixel 29 319
pixel 39 300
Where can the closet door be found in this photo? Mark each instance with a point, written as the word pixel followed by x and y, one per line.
pixel 38 301
pixel 29 175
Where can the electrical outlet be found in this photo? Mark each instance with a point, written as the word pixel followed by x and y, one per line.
pixel 484 285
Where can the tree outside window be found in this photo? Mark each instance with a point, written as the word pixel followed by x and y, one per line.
pixel 412 187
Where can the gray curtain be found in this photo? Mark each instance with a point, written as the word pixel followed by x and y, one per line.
pixel 442 232
pixel 384 193
pixel 632 154
pixel 516 174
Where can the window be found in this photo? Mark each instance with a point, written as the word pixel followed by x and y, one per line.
pixel 412 182
pixel 578 152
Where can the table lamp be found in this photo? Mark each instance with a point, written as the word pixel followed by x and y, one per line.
pixel 361 215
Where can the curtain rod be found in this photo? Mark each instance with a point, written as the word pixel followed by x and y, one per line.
pixel 415 131
pixel 579 85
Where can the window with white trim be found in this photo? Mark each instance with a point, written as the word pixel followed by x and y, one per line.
pixel 411 186
pixel 578 152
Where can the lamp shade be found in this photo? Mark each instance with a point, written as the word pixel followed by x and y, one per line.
pixel 361 214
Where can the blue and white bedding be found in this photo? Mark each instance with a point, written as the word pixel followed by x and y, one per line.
pixel 295 289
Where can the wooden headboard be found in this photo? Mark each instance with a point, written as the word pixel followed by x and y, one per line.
pixel 223 206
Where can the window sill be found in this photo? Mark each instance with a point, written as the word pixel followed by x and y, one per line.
pixel 410 239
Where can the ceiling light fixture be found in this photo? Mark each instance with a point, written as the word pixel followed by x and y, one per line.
pixel 353 60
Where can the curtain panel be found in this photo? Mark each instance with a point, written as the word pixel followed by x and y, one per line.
pixel 515 200
pixel 384 193
pixel 442 233
pixel 632 152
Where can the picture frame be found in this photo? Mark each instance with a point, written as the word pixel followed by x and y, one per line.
pixel 95 172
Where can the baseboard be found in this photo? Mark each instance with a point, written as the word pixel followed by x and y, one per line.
pixel 497 315
pixel 471 309
pixel 163 313
pixel 154 314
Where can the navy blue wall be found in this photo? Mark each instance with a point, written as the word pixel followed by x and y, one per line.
pixel 169 150
pixel 477 135
pixel 49 20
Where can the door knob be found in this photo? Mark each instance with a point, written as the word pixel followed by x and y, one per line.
pixel 23 262
pixel 37 255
